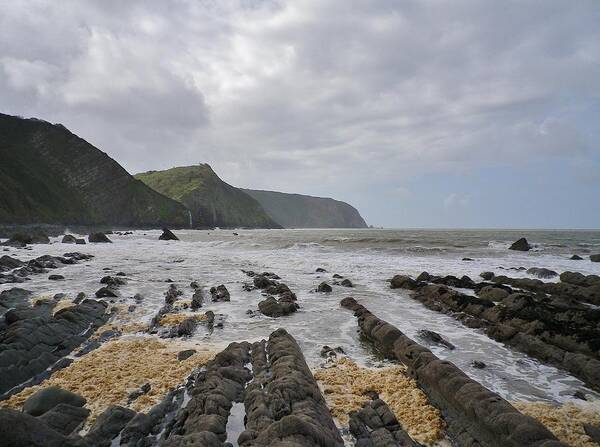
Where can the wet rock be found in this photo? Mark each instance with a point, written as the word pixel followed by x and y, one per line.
pixel 375 425
pixel 468 259
pixel 65 418
pixel 595 258
pixel 329 352
pixel 320 270
pixel 261 282
pixel 69 239
pixel 121 274
pixel 405 282
pixel 346 283
pixel 220 293
pixel 520 245
pixel 108 425
pixel 186 354
pixel 112 281
pixel 56 277
pixel 138 297
pixel 434 337
pixel 195 285
pixel 283 402
pixel 324 288
pixel 492 293
pixel 576 258
pixel 336 276
pixel 9 263
pixel 272 307
pixel 473 412
pixel 80 241
pixel 593 431
pixel 579 395
pixel 22 430
pixel 47 398
pixel 487 275
pixel 79 298
pixel 167 235
pixel 477 364
pixel 106 292
pixel 98 238
pixel 172 294
pixel 36 339
pixel 197 299
pixel 185 329
pixel 22 239
pixel 543 273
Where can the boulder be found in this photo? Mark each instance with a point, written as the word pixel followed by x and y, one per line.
pixel 274 308
pixel 197 299
pixel 320 270
pixel 22 239
pixel 520 245
pixel 541 272
pixel 167 235
pixel 56 277
pixel 65 418
pixel 324 287
pixel 47 398
pixel 595 258
pixel 436 338
pixel 487 275
pixel 405 282
pixel 346 283
pixel 186 354
pixel 106 292
pixel 220 293
pixel 80 241
pixel 98 238
pixel 576 258
pixel 69 239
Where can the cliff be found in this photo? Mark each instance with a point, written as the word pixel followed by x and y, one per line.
pixel 300 211
pixel 212 202
pixel 51 176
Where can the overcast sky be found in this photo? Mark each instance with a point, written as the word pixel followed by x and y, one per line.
pixel 424 113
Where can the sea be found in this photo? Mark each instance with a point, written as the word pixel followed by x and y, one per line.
pixel 368 257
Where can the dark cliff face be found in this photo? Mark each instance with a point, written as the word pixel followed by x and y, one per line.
pixel 212 202
pixel 49 175
pixel 300 211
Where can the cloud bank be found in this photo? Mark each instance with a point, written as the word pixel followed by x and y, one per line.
pixel 410 110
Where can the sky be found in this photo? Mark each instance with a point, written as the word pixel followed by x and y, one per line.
pixel 429 113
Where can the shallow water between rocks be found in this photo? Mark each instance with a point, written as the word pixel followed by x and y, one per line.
pixel 367 257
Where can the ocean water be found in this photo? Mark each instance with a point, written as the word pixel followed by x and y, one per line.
pixel 367 257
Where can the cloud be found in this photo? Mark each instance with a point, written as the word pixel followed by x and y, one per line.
pixel 312 96
pixel 454 200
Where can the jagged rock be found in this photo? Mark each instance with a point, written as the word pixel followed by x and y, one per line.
pixel 144 389
pixel 436 338
pixel 346 283
pixel 487 275
pixel 106 292
pixel 98 238
pixel 9 263
pixel 477 364
pixel 405 282
pixel 23 430
pixel 492 293
pixel 375 425
pixel 324 288
pixel 576 258
pixel 69 239
pixel 108 425
pixel 520 245
pixel 595 258
pixel 593 431
pixel 320 270
pixel 44 400
pixel 56 277
pixel 543 273
pixel 459 398
pixel 112 281
pixel 167 235
pixel 197 299
pixel 65 418
pixel 172 293
pixel 195 285
pixel 185 329
pixel 262 282
pixel 35 339
pixel 271 307
pixel 80 241
pixel 220 293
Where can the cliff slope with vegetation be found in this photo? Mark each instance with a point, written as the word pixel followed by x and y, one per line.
pixel 49 175
pixel 300 211
pixel 212 202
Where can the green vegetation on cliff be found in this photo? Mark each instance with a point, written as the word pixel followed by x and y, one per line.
pixel 212 202
pixel 51 176
pixel 300 211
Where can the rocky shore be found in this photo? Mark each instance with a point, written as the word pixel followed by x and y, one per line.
pixel 148 361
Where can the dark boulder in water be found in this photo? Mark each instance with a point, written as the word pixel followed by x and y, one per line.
pixel 80 241
pixel 543 273
pixel 69 239
pixel 167 235
pixel 274 308
pixel 98 238
pixel 56 277
pixel 220 293
pixel 186 354
pixel 520 245
pixel 436 338
pixel 324 288
pixel 197 299
pixel 595 258
pixel 106 292
pixel 346 283
pixel 576 258
pixel 487 275
pixel 22 239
